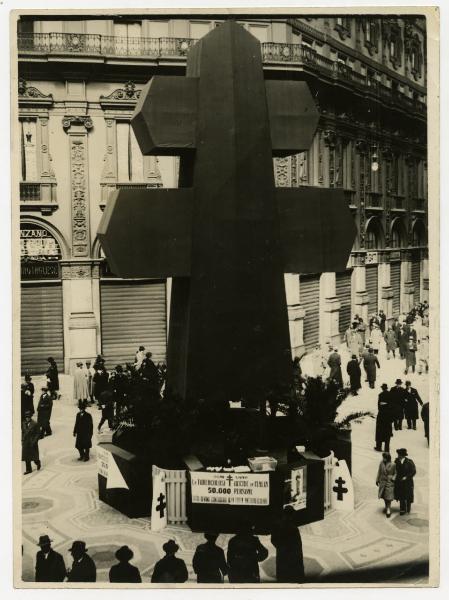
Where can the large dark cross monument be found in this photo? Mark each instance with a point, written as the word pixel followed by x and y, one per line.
pixel 227 235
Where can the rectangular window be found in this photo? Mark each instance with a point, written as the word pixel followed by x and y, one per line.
pixel 28 150
pixel 199 29
pixel 129 156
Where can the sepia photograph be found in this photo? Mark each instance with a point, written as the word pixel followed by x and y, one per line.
pixel 225 234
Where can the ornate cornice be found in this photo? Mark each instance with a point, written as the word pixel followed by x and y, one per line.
pixel 30 95
pixel 84 121
pixel 125 97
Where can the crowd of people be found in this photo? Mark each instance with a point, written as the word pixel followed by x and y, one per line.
pixel 112 391
pixel 240 564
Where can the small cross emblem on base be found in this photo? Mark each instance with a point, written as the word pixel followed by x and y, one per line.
pixel 339 489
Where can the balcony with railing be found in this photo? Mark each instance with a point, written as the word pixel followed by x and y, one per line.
pixel 170 48
pixel 38 196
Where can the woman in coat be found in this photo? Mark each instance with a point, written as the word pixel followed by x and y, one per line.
pixel 385 479
pixel 404 486
pixel 355 373
pixel 390 342
pixel 376 338
pixel 44 410
pixel 287 541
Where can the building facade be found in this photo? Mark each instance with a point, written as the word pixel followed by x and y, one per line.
pixel 79 81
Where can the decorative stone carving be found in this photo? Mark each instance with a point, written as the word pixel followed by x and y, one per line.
pixel 82 120
pixel 281 172
pixel 128 92
pixel 79 188
pixel 26 91
pixel 76 271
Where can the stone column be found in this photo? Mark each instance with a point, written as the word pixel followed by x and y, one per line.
pixel 358 286
pixel 296 314
pixel 79 288
pixel 47 176
pixel 329 310
pixel 407 287
pixel 385 289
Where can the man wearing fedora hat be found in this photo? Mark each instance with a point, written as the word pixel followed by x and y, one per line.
pixel 31 434
pixel 403 485
pixel 397 398
pixel 49 564
pixel 123 572
pixel 83 431
pixel 384 430
pixel 209 561
pixel 83 567
pixel 170 569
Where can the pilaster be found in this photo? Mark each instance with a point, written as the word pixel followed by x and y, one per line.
pixel 80 280
pixel 329 310
pixel 425 278
pixel 407 287
pixel 296 314
pixel 77 128
pixel 385 289
pixel 359 294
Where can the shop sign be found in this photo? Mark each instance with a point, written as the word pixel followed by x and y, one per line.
pixel 36 269
pixel 40 253
pixel 295 491
pixel 239 489
pixel 103 461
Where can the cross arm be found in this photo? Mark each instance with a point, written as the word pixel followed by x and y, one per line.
pixel 164 120
pixel 147 233
pixel 293 116
pixel 317 229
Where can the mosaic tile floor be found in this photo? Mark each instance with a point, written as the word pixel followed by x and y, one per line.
pixel 62 501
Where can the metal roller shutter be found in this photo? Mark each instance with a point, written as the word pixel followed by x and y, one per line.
pixel 309 292
pixel 372 288
pixel 133 314
pixel 416 278
pixel 395 282
pixel 343 290
pixel 41 326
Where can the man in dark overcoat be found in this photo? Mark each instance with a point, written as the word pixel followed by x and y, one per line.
pixel 83 567
pixel 209 561
pixel 384 429
pixel 425 418
pixel 31 434
pixel 83 431
pixel 26 401
pixel 49 564
pixel 44 409
pixel 355 373
pixel 412 399
pixel 334 363
pixel 170 568
pixel 100 381
pixel 245 552
pixel 52 377
pixel 370 363
pixel 107 409
pixel 403 485
pixel 397 399
pixel 287 541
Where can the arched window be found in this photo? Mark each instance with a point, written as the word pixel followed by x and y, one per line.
pixel 419 234
pixel 374 237
pixel 398 234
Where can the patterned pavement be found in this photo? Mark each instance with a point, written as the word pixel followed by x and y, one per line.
pixel 62 501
